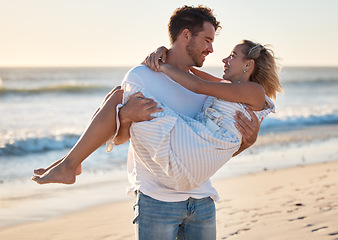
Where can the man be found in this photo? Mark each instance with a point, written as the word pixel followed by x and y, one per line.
pixel 162 212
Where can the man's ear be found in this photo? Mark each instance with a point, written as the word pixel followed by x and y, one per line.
pixel 186 35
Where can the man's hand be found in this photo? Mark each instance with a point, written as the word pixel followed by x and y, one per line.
pixel 138 109
pixel 248 128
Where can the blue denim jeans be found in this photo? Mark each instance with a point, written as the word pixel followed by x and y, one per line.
pixel 193 219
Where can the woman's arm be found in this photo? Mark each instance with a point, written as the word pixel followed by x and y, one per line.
pixel 205 76
pixel 249 93
pixel 160 54
pixel 153 59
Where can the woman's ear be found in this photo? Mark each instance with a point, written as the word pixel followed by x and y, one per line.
pixel 250 64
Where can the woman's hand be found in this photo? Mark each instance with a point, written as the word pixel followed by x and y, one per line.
pixel 152 60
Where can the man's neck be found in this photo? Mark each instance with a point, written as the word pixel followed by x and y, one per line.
pixel 178 59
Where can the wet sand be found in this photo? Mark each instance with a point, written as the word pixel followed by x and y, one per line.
pixel 294 203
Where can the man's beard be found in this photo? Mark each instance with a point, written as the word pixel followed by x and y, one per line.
pixel 193 53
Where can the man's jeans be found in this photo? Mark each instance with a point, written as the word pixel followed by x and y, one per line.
pixel 191 219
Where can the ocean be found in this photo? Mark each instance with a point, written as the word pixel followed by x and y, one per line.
pixel 44 111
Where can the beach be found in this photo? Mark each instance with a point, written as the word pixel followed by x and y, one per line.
pixel 283 187
pixel 293 203
pixel 277 202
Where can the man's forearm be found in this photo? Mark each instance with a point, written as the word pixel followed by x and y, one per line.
pixel 241 149
pixel 248 129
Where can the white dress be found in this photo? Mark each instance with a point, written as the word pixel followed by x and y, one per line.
pixel 189 150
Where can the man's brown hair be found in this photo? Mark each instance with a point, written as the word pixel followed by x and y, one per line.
pixel 191 18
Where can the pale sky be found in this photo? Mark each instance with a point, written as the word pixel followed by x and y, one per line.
pixel 122 33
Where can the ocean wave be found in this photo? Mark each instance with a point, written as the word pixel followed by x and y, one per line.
pixel 38 144
pixel 66 88
pixel 60 142
pixel 299 121
pixel 309 74
pixel 310 81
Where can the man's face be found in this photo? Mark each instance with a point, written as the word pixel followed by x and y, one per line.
pixel 201 45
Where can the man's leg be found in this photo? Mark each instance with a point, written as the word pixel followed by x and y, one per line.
pixel 201 221
pixel 157 220
pixel 100 129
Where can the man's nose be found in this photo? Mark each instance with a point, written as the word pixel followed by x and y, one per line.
pixel 210 48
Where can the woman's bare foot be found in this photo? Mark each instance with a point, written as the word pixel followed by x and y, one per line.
pixel 41 171
pixel 60 173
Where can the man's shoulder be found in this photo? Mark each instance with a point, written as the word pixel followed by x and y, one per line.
pixel 140 75
pixel 140 70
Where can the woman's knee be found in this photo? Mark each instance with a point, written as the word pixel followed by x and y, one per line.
pixel 117 88
pixel 116 97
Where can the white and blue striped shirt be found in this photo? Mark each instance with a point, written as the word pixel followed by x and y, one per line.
pixel 172 157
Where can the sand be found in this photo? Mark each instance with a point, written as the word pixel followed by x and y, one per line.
pixel 294 203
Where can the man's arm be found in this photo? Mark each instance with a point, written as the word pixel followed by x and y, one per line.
pixel 137 109
pixel 248 129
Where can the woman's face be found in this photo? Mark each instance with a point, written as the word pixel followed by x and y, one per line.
pixel 234 65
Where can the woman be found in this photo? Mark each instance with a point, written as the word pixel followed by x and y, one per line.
pixel 249 78
pixel 252 74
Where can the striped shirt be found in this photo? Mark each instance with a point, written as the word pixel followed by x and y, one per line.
pixel 180 151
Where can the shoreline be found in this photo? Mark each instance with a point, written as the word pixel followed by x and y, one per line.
pixel 25 201
pixel 291 203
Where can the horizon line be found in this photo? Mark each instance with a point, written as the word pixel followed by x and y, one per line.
pixel 130 66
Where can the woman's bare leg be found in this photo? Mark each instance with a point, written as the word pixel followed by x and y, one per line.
pixel 101 128
pixel 41 171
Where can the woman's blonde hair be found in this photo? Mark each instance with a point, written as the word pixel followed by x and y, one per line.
pixel 265 68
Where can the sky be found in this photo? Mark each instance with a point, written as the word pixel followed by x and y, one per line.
pixel 123 33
